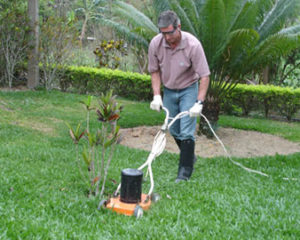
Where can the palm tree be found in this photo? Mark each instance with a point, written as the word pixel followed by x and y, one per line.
pixel 131 24
pixel 91 10
pixel 238 36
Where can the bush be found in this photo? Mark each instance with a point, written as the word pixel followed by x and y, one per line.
pixel 285 101
pixel 92 80
pixel 57 38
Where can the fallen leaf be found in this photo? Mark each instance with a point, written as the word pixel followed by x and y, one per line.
pixel 96 179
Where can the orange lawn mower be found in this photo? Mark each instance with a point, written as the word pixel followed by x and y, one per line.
pixel 132 201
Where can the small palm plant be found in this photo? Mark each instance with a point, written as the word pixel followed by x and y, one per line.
pixel 99 145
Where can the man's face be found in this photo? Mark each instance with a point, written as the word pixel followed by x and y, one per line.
pixel 171 34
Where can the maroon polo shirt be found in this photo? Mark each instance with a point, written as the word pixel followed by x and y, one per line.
pixel 179 67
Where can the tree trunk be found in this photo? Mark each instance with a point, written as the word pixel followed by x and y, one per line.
pixel 33 58
pixel 211 111
pixel 83 30
pixel 265 75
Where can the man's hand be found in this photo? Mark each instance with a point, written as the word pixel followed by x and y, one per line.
pixel 157 103
pixel 196 110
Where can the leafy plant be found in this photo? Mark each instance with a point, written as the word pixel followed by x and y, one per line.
pixel 99 145
pixel 56 41
pixel 109 53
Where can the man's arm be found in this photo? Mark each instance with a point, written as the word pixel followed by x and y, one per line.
pixel 204 84
pixel 156 82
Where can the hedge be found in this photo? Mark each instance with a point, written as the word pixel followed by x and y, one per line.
pixel 93 80
pixel 285 101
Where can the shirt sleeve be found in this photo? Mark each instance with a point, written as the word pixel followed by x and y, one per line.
pixel 199 61
pixel 153 65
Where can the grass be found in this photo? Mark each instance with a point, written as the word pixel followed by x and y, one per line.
pixel 289 131
pixel 42 196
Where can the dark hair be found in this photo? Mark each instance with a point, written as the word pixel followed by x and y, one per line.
pixel 167 18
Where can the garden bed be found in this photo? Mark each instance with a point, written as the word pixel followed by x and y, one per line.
pixel 239 143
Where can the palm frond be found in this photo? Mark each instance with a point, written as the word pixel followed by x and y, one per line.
pixel 200 4
pixel 291 30
pixel 185 21
pixel 191 12
pixel 247 17
pixel 276 17
pixel 238 49
pixel 212 31
pixel 126 33
pixel 160 6
pixel 229 66
pixel 262 8
pixel 273 48
pixel 233 10
pixel 133 15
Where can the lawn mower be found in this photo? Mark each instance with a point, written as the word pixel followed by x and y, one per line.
pixel 131 201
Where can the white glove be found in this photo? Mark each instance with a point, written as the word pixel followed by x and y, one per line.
pixel 157 103
pixel 196 110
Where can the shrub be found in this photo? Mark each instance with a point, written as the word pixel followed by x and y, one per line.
pixel 57 38
pixel 285 101
pixel 92 80
pixel 99 145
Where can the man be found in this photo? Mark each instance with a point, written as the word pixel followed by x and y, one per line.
pixel 177 60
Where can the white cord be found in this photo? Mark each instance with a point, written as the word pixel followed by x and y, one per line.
pixel 234 162
pixel 159 144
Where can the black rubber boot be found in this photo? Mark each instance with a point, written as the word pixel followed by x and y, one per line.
pixel 178 142
pixel 187 160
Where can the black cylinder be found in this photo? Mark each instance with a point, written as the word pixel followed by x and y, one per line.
pixel 131 185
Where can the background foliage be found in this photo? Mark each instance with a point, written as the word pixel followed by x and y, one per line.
pixel 13 41
pixel 250 98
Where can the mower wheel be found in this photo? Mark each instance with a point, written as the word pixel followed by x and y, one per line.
pixel 155 197
pixel 138 211
pixel 102 204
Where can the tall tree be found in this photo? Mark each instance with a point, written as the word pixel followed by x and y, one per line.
pixel 33 58
pixel 238 36
pixel 91 10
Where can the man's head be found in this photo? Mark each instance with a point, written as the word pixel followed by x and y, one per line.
pixel 168 18
pixel 169 26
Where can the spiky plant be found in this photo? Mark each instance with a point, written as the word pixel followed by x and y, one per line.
pixel 99 145
pixel 238 36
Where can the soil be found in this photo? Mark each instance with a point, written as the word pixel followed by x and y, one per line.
pixel 239 143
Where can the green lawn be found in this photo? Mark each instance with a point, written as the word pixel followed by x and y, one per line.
pixel 43 197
